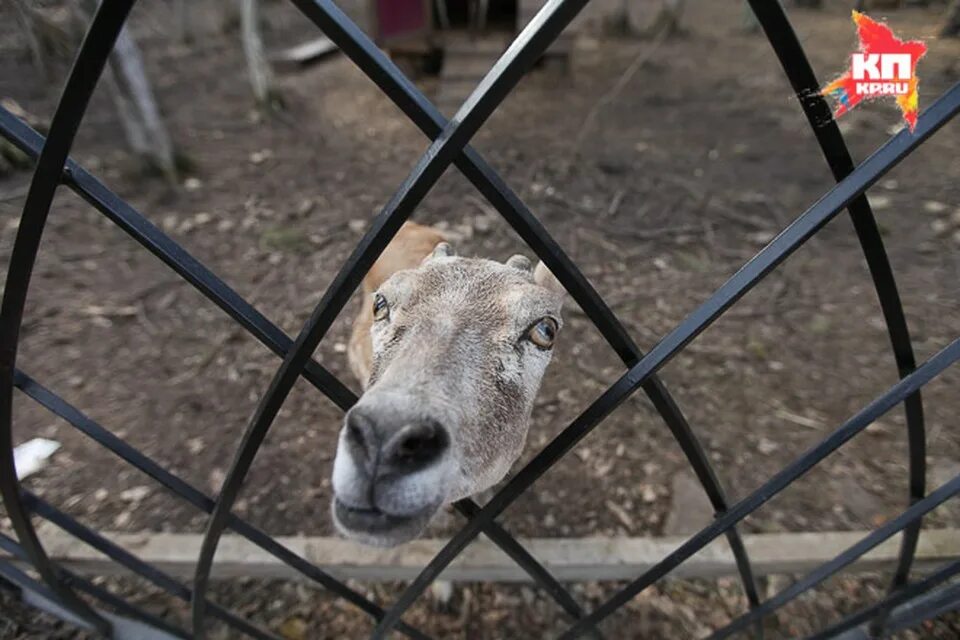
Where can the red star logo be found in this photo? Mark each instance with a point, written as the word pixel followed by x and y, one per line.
pixel 885 66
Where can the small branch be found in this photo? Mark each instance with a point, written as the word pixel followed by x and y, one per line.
pixel 27 19
pixel 615 202
pixel 613 94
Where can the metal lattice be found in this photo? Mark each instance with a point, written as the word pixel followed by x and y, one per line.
pixel 907 602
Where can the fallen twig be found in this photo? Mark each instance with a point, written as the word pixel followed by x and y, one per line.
pixel 611 96
pixel 615 202
pixel 15 194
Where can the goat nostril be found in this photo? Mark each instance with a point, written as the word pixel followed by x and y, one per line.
pixel 416 446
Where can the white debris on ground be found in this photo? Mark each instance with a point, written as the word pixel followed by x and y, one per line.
pixel 31 456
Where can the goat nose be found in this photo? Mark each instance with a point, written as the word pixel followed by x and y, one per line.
pixel 414 447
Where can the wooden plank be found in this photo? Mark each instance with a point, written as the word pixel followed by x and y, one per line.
pixel 569 559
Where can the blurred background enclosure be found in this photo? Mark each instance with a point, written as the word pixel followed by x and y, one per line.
pixel 658 142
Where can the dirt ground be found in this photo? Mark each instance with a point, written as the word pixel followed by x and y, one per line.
pixel 675 610
pixel 700 160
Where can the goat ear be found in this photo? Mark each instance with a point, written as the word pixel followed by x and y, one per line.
pixel 545 278
pixel 520 262
pixel 442 250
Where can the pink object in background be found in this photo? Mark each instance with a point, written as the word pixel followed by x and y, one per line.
pixel 401 18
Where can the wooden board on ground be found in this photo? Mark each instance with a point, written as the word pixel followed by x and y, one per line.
pixel 568 559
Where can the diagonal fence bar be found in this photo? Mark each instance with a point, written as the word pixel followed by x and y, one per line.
pixel 871 170
pixel 895 395
pixel 924 608
pixel 194 272
pixel 176 257
pixel 893 600
pixel 128 560
pixel 37 594
pixel 816 577
pixel 450 146
pixel 385 74
pixel 785 43
pixel 524 51
pixel 182 489
pixel 191 494
pixel 80 583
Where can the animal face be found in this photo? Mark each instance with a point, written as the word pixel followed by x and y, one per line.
pixel 460 346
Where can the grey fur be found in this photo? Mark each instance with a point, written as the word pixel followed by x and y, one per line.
pixel 453 351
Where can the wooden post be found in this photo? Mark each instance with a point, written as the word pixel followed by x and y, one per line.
pixel 258 67
pixel 140 118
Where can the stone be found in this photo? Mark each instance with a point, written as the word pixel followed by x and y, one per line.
pixel 690 509
pixel 135 494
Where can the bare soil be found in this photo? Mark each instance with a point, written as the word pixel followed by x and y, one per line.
pixel 694 167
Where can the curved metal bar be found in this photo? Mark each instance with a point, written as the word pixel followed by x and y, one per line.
pixel 91 59
pixel 382 71
pixel 795 64
pixel 525 50
pixel 509 545
pixel 809 459
pixel 732 290
pixel 126 559
pixel 924 608
pixel 844 559
pixel 179 487
pixel 149 236
pixel 194 272
pixel 15 550
pixel 177 258
pixel 892 601
pixel 266 332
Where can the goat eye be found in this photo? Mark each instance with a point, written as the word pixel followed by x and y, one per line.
pixel 381 310
pixel 543 333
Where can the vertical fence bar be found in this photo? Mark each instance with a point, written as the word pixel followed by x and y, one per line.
pixel 106 25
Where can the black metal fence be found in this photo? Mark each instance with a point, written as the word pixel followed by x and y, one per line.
pixel 907 603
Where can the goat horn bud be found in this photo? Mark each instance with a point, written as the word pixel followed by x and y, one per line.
pixel 520 262
pixel 443 250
